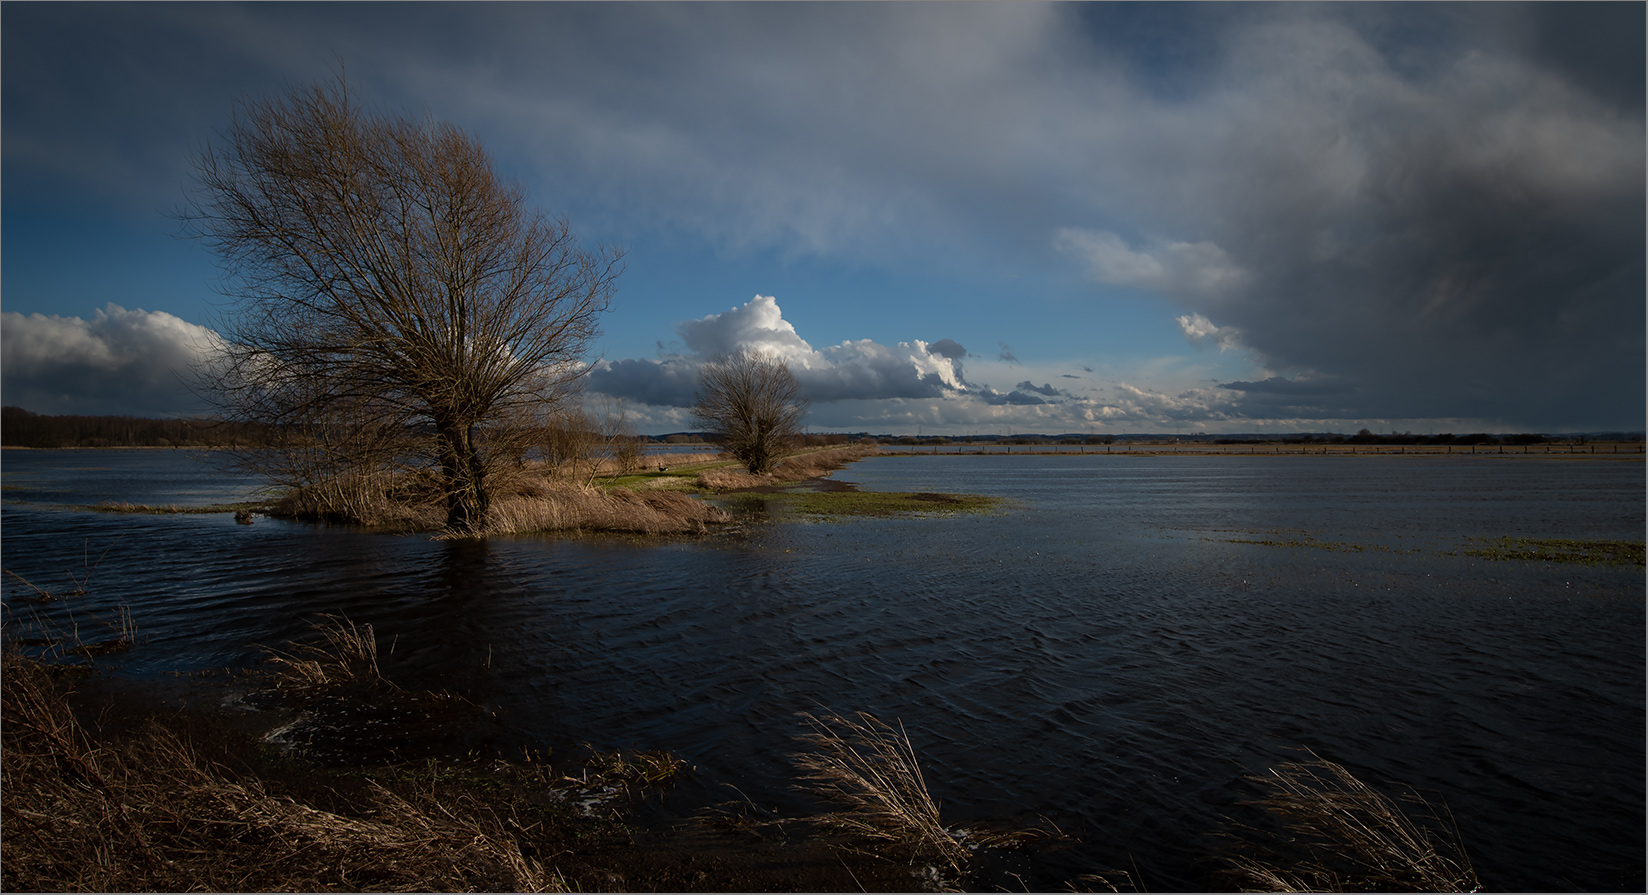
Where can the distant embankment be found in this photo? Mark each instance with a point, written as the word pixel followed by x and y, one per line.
pixel 1621 450
pixel 23 428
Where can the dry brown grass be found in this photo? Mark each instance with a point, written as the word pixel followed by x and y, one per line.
pixel 588 471
pixel 549 507
pixel 1343 836
pixel 870 770
pixel 149 815
pixel 679 460
pixel 393 502
pixel 796 468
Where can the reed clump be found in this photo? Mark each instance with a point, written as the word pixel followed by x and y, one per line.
pixel 869 770
pixel 148 814
pixel 344 654
pixel 549 506
pixel 1341 835
pixel 405 501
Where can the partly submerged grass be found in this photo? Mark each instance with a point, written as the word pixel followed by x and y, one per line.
pixel 1584 552
pixel 143 509
pixel 1310 543
pixel 653 768
pixel 344 653
pixel 1593 552
pixel 880 503
pixel 1340 835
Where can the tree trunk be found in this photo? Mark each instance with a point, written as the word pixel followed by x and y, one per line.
pixel 461 468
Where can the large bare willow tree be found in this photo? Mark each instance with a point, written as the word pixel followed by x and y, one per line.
pixel 754 404
pixel 386 281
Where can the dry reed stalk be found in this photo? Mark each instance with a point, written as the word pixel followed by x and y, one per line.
pixel 1342 836
pixel 871 771
pixel 148 815
pixel 593 509
pixel 63 638
pixel 346 653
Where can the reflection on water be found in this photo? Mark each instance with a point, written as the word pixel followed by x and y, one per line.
pixel 1114 652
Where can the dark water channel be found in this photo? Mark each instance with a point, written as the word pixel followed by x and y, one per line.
pixel 1113 652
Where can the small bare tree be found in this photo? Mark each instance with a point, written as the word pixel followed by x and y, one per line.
pixel 753 402
pixel 386 278
pixel 568 438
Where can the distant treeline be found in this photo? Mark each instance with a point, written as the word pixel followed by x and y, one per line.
pixel 23 428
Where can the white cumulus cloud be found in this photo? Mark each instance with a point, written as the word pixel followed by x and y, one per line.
pixel 1198 329
pixel 118 362
pixel 852 370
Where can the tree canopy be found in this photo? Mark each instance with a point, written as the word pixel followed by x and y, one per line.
pixel 753 403
pixel 394 297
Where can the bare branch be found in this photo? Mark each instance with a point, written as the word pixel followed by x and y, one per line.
pixel 386 279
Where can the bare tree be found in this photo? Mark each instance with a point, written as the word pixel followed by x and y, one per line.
pixel 753 402
pixel 619 443
pixel 568 438
pixel 387 279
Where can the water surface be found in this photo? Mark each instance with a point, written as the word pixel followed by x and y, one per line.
pixel 1113 651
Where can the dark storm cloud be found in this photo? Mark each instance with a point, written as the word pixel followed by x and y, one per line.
pixel 1046 390
pixel 1439 205
pixel 1014 398
pixel 949 348
pixel 1462 237
pixel 665 383
pixel 1279 386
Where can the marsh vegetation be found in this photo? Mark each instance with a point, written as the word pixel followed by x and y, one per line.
pixel 141 805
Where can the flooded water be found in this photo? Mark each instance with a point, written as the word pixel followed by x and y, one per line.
pixel 1113 651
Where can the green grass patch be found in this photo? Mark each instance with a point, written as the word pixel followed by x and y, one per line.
pixel 1583 552
pixel 675 477
pixel 828 504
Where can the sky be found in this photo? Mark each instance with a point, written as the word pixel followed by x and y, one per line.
pixel 947 218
